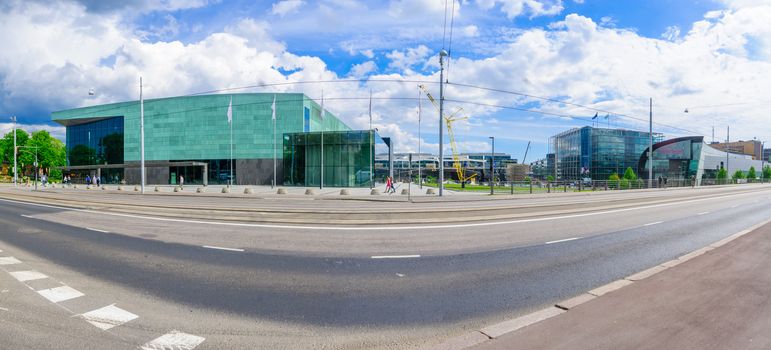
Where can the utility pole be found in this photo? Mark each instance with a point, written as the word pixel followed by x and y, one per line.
pixel 492 166
pixel 15 169
pixel 141 138
pixel 727 148
pixel 442 54
pixel 371 144
pixel 650 146
pixel 420 110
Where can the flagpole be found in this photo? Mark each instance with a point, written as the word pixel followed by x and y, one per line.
pixel 274 141
pixel 230 121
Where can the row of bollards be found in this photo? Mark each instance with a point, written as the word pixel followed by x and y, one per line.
pixel 247 190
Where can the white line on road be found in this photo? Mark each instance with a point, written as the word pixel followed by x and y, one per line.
pixel 97 230
pixel 4 309
pixel 108 317
pixel 223 248
pixel 9 260
pixel 27 216
pixel 174 340
pixel 653 223
pixel 563 240
pixel 703 213
pixel 58 294
pixel 24 276
pixel 394 256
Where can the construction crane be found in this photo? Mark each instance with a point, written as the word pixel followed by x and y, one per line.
pixel 526 149
pixel 449 119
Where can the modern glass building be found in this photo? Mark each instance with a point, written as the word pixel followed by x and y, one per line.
pixel 190 136
pixel 692 158
pixel 596 153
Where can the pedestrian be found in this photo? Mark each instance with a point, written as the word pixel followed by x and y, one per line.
pixel 181 181
pixel 660 180
pixel 88 179
pixel 388 184
pixel 392 189
pixel 44 179
pixel 98 181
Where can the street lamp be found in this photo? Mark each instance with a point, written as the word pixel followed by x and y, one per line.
pixel 442 55
pixel 35 164
pixel 15 169
pixel 492 165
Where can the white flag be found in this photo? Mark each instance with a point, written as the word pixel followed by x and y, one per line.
pixel 273 107
pixel 322 105
pixel 230 110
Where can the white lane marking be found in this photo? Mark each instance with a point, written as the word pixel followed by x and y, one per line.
pixel 653 223
pixel 174 340
pixel 4 309
pixel 58 294
pixel 108 317
pixel 394 256
pixel 9 260
pixel 372 228
pixel 703 213
pixel 27 216
pixel 24 276
pixel 97 230
pixel 223 248
pixel 563 240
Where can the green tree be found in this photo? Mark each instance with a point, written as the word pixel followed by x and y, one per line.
pixel 6 147
pixel 550 178
pixel 629 174
pixel 722 174
pixel 738 174
pixel 751 173
pixel 50 153
pixel 767 172
pixel 613 177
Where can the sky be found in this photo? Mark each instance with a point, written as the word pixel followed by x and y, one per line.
pixel 520 70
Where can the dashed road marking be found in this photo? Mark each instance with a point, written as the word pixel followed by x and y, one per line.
pixel 108 317
pixel 653 223
pixel 24 276
pixel 223 248
pixel 4 309
pixel 27 216
pixel 174 340
pixel 563 240
pixel 9 260
pixel 58 294
pixel 394 256
pixel 97 230
pixel 703 213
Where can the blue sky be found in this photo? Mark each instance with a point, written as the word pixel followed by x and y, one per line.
pixel 599 55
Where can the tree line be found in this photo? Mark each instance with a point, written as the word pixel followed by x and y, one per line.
pixel 50 153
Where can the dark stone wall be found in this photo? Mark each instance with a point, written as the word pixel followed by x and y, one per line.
pixel 258 171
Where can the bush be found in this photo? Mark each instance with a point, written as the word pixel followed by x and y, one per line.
pixel 751 174
pixel 629 174
pixel 550 178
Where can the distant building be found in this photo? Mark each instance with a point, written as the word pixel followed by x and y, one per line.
pixel 752 148
pixel 596 153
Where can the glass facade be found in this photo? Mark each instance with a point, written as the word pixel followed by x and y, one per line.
pixel 347 158
pixel 96 142
pixel 596 153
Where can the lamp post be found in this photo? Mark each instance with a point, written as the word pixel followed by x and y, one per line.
pixel 35 164
pixel 442 54
pixel 15 169
pixel 492 165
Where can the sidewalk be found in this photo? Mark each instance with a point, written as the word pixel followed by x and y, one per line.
pixel 719 300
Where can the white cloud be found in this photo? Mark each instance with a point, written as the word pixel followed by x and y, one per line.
pixel 671 34
pixel 405 60
pixel 362 69
pixel 285 7
pixel 516 8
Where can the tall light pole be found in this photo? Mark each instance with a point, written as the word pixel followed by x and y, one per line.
pixel 420 111
pixel 442 54
pixel 492 165
pixel 371 145
pixel 141 138
pixel 15 169
pixel 650 146
pixel 727 148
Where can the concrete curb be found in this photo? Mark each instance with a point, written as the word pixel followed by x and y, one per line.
pixel 499 329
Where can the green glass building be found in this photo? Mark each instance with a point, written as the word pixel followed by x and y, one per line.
pixel 190 136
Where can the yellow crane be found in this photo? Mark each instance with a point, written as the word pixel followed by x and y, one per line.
pixel 448 120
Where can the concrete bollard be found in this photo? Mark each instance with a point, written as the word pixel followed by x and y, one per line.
pixel 225 190
pixel 104 188
pixel 310 192
pixel 176 189
pixel 88 187
pixel 405 192
pixel 430 191
pixel 136 188
pixel 345 192
pixel 374 192
pixel 200 190
pixel 75 187
pixel 157 189
pixel 281 191
pixel 248 190
pixel 120 188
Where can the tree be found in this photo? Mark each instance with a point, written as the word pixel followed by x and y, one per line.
pixel 738 174
pixel 6 147
pixel 722 174
pixel 751 173
pixel 550 178
pixel 767 172
pixel 629 174
pixel 613 177
pixel 50 153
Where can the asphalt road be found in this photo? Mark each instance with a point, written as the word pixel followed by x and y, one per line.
pixel 337 297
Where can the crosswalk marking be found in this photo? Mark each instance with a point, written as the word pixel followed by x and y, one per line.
pixel 58 294
pixel 24 276
pixel 174 340
pixel 9 260
pixel 108 317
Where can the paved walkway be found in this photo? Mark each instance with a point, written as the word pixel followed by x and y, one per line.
pixel 719 300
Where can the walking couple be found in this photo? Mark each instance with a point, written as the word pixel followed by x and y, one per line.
pixel 390 185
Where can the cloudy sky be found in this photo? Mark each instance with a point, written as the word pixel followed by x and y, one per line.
pixel 548 65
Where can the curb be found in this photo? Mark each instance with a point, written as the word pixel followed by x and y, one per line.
pixel 494 331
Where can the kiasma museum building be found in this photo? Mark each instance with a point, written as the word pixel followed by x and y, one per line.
pixel 192 137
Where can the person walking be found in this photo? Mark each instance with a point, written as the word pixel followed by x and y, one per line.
pixel 392 189
pixel 88 179
pixel 181 181
pixel 388 184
